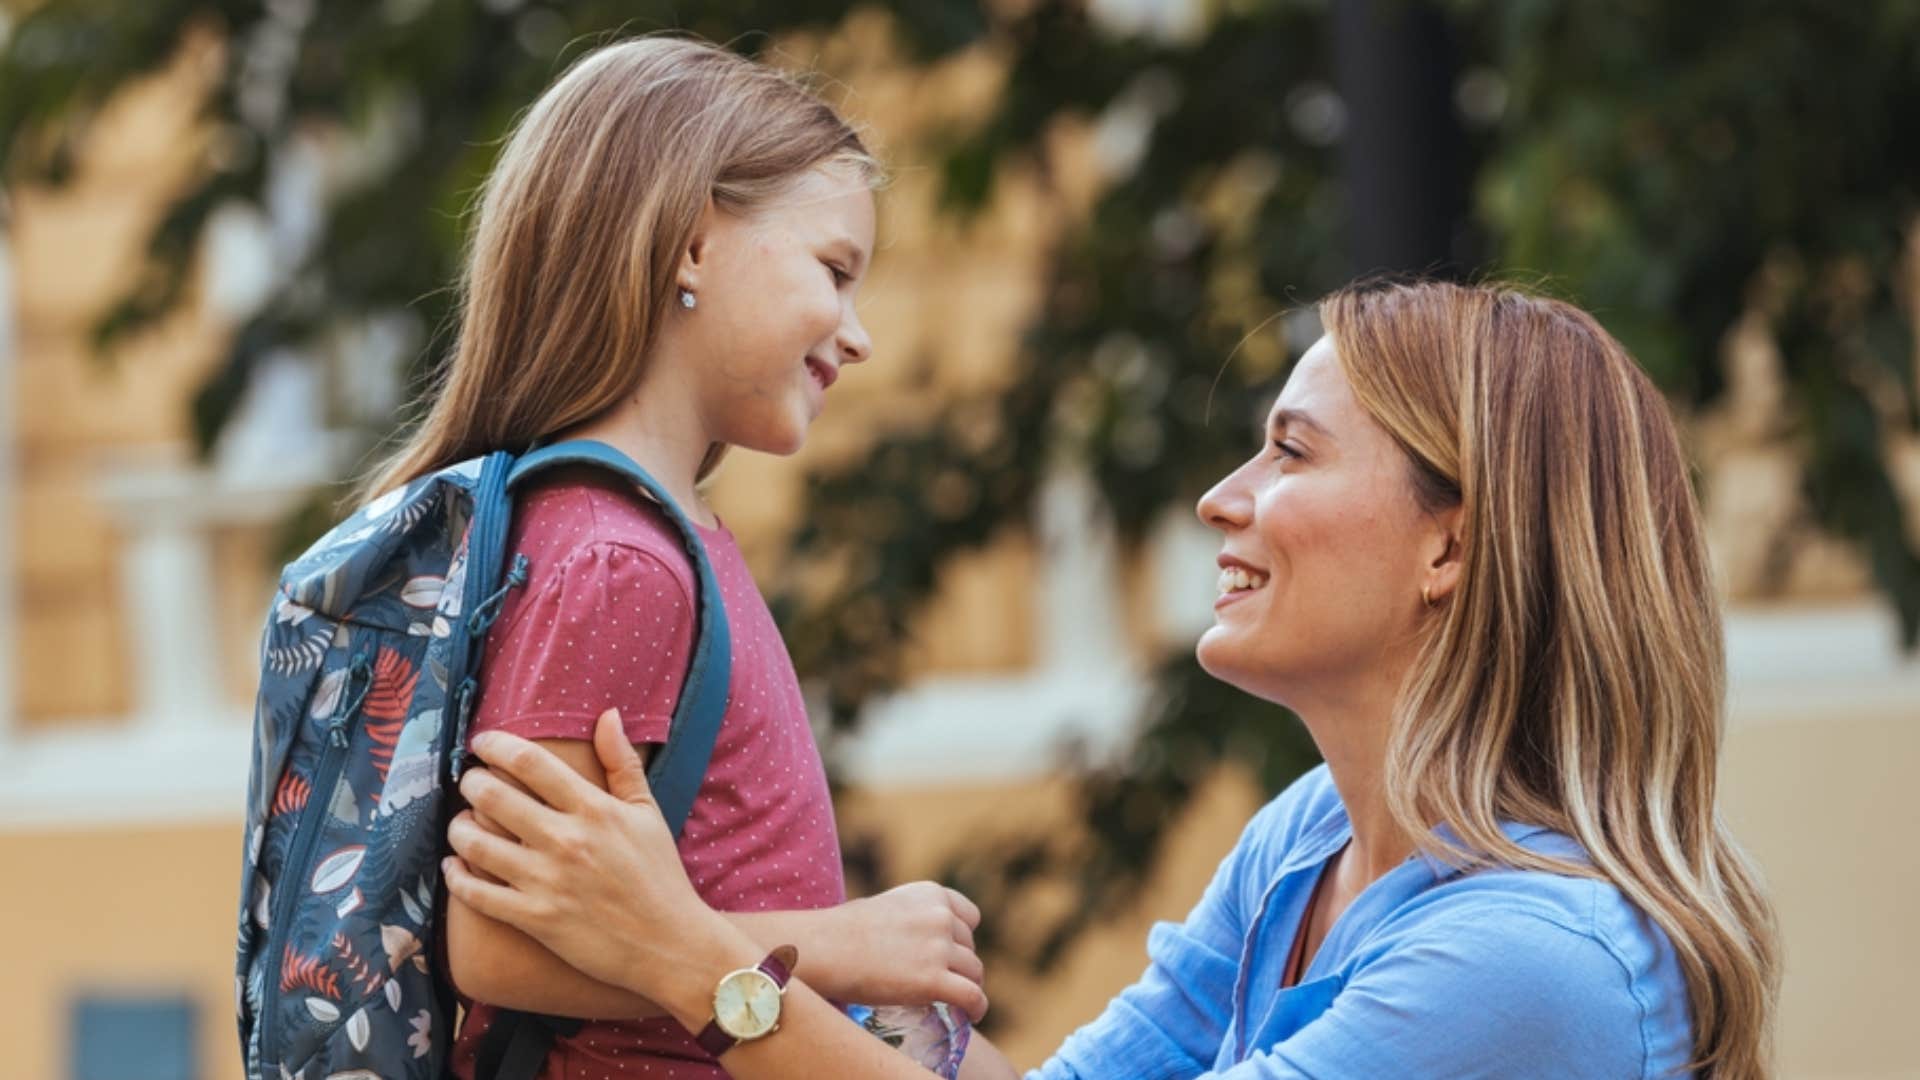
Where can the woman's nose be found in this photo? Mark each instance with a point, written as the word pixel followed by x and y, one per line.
pixel 1227 506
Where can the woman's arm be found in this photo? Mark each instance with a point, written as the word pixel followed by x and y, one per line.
pixel 597 879
pixel 909 946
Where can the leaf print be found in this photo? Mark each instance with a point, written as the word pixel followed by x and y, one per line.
pixel 304 655
pixel 338 868
pixel 349 904
pixel 393 683
pixel 415 512
pixel 359 1030
pixel 424 891
pixel 292 794
pixel 364 976
pixel 326 698
pixel 323 1010
pixel 383 505
pixel 413 908
pixel 344 808
pixel 384 735
pixel 262 891
pixel 393 994
pixel 423 591
pixel 290 612
pixel 400 944
pixel 308 973
pixel 422 1038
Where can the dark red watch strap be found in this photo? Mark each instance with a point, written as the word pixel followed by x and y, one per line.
pixel 713 1038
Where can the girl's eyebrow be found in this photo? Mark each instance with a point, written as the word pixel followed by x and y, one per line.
pixel 1286 418
pixel 856 258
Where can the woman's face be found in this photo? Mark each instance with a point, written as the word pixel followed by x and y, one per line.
pixel 774 321
pixel 1324 551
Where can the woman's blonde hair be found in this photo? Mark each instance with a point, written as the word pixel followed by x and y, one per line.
pixel 572 259
pixel 1575 678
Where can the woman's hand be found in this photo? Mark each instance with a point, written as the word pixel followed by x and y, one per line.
pixel 595 875
pixel 910 945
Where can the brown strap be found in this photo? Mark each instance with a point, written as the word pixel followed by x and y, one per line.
pixel 1297 956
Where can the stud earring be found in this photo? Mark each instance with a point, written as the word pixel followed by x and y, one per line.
pixel 686 299
pixel 1426 595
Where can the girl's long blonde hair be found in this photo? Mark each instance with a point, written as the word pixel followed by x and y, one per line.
pixel 1576 677
pixel 571 262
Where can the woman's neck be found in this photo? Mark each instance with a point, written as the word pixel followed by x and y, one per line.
pixel 1352 735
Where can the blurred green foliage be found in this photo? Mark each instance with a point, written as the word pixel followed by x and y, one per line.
pixel 1671 166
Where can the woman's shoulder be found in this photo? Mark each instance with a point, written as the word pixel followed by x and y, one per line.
pixel 1559 941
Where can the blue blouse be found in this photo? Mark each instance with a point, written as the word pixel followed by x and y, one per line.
pixel 1430 973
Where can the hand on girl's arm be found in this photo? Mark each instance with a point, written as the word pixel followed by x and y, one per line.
pixel 597 879
pixel 909 946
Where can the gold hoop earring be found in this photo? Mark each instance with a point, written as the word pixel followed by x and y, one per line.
pixel 1426 595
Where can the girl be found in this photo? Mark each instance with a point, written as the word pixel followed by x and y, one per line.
pixel 666 259
pixel 1468 556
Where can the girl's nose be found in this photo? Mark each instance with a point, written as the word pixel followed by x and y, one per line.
pixel 855 345
pixel 1228 506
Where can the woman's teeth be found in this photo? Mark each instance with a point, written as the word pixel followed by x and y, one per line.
pixel 1236 579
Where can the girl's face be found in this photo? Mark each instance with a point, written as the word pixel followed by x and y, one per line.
pixel 774 322
pixel 1325 550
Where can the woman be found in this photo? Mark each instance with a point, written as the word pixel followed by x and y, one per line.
pixel 1468 556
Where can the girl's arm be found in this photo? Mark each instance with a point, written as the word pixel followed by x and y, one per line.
pixel 598 880
pixel 911 945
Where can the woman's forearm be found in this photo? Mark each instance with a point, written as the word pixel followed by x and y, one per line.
pixel 814 1039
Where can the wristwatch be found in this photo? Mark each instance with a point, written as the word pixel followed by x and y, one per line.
pixel 746 1003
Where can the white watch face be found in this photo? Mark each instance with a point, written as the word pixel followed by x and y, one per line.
pixel 747 1004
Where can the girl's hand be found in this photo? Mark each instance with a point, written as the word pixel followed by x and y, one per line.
pixel 910 945
pixel 595 875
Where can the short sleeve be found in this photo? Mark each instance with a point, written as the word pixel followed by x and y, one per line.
pixel 610 627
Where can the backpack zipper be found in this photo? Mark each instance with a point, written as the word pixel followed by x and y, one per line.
pixel 307 832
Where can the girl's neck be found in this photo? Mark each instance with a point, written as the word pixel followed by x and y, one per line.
pixel 663 432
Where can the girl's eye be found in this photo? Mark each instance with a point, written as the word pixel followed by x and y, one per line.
pixel 840 276
pixel 1287 450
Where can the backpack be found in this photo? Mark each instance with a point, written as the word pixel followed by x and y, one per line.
pixel 368 673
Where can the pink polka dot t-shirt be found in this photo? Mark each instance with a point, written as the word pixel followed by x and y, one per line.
pixel 606 618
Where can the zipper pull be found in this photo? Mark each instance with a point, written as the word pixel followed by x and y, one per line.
pixel 358 672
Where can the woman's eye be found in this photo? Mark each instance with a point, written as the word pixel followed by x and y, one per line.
pixel 1286 449
pixel 840 275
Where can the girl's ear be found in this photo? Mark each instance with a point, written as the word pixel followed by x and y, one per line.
pixel 695 256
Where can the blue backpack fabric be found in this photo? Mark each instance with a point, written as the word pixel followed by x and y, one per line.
pixel 369 666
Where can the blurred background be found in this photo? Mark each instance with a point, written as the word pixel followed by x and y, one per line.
pixel 227 231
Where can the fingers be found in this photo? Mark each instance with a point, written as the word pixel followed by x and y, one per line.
pixel 488 853
pixel 963 907
pixel 626 773
pixel 496 902
pixel 962 933
pixel 967 964
pixel 507 807
pixel 545 775
pixel 965 994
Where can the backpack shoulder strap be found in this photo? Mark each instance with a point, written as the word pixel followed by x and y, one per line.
pixel 680 765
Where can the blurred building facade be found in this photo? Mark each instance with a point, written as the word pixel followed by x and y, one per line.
pixel 135 579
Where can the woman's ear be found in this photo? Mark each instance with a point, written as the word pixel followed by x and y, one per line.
pixel 1446 557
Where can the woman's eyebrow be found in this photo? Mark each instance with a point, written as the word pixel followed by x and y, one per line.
pixel 1286 418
